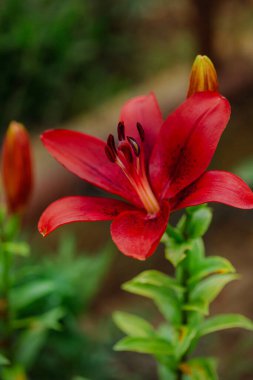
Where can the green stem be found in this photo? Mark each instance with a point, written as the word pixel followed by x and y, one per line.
pixel 6 285
pixel 6 315
pixel 182 275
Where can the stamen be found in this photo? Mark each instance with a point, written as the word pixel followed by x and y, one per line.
pixel 134 145
pixel 111 143
pixel 141 131
pixel 129 156
pixel 110 154
pixel 121 131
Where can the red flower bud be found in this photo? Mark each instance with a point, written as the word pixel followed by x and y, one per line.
pixel 17 167
pixel 203 76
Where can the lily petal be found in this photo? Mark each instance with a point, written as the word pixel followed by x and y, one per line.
pixel 215 186
pixel 79 209
pixel 85 156
pixel 187 142
pixel 136 234
pixel 144 110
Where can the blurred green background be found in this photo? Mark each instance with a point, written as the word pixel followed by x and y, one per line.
pixel 59 58
pixel 62 59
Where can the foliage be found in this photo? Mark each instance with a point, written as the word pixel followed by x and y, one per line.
pixel 45 300
pixel 55 55
pixel 183 301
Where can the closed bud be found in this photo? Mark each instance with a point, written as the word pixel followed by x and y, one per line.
pixel 16 168
pixel 203 76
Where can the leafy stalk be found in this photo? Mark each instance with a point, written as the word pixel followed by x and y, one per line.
pixel 183 301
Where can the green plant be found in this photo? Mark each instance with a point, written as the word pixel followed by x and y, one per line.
pixel 183 301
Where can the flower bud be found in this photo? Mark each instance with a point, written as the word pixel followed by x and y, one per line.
pixel 203 76
pixel 16 168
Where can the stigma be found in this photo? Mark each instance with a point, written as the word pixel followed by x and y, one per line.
pixel 129 156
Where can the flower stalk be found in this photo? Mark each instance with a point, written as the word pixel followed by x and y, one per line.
pixel 8 231
pixel 183 301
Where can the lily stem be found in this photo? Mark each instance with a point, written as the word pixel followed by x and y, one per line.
pixel 5 299
pixel 182 275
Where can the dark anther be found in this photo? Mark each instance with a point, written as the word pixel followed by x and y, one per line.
pixel 121 131
pixel 141 131
pixel 135 146
pixel 111 143
pixel 110 153
pixel 126 150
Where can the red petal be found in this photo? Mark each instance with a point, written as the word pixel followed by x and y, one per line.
pixel 215 186
pixel 187 142
pixel 144 110
pixel 84 156
pixel 136 234
pixel 79 209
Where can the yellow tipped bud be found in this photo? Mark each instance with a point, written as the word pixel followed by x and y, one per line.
pixel 203 76
pixel 17 167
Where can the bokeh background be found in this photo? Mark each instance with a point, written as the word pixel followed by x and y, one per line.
pixel 72 64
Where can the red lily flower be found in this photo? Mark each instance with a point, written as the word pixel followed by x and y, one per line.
pixel 157 167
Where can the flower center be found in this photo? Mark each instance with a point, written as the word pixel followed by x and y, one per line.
pixel 129 156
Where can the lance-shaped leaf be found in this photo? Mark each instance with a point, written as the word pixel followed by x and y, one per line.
pixel 210 265
pixel 25 295
pixel 224 321
pixel 132 325
pixel 3 360
pixel 208 289
pixel 175 252
pixel 154 345
pixel 196 255
pixel 201 306
pixel 154 277
pixel 165 299
pixel 19 249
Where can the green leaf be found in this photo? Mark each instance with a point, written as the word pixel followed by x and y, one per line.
pixel 165 373
pixel 132 325
pixel 14 373
pixel 165 299
pixel 4 360
pixel 196 255
pixel 28 346
pixel 200 369
pixel 199 306
pixel 50 319
pixel 185 338
pixel 159 279
pixel 175 252
pixel 20 249
pixel 45 321
pixel 26 294
pixel 224 321
pixel 210 265
pixel 11 227
pixel 210 287
pixel 154 345
pixel 198 221
pixel 168 332
pixel 32 339
pixel 174 233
